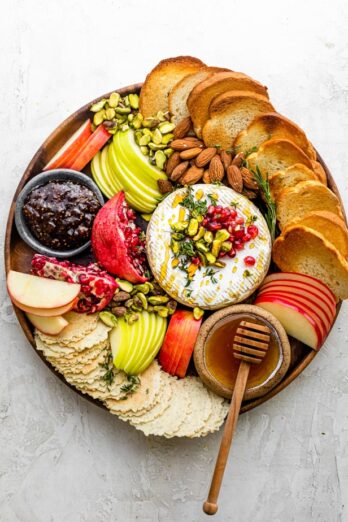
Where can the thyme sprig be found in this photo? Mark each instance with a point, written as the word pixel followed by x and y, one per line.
pixel 131 386
pixel 270 214
pixel 108 366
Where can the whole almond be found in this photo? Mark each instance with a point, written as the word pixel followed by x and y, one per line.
pixel 226 158
pixel 205 156
pixel 182 128
pixel 184 144
pixel 238 159
pixel 234 178
pixel 191 176
pixel 206 177
pixel 173 161
pixel 164 186
pixel 190 153
pixel 248 179
pixel 216 169
pixel 179 171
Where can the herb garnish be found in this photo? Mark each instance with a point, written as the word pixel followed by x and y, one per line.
pixel 130 387
pixel 108 366
pixel 211 273
pixel 270 214
pixel 251 220
pixel 246 273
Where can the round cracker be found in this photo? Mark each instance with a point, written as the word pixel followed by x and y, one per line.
pixel 201 408
pixel 218 414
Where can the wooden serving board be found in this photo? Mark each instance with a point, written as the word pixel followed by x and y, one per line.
pixel 18 255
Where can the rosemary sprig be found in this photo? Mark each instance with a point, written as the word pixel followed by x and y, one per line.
pixel 270 215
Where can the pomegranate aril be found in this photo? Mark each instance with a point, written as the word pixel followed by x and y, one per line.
pixel 246 238
pixel 211 210
pixel 213 226
pixel 196 260
pixel 232 253
pixel 249 261
pixel 240 221
pixel 238 245
pixel 253 231
pixel 233 213
pixel 222 254
pixel 239 232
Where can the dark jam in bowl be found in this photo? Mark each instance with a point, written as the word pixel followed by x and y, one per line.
pixel 60 213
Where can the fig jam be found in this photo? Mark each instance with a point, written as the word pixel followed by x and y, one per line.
pixel 60 213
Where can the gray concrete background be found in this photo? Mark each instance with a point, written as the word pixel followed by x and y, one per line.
pixel 63 459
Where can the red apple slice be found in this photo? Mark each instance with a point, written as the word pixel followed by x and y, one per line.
pixel 299 288
pixel 66 154
pixel 296 293
pixel 45 312
pixel 297 321
pixel 40 292
pixel 48 325
pixel 295 276
pixel 94 143
pixel 179 342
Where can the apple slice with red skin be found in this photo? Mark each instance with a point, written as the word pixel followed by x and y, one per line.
pixel 48 325
pixel 296 319
pixel 295 276
pixel 45 312
pixel 93 145
pixel 179 342
pixel 69 151
pixel 302 289
pixel 308 298
pixel 39 292
pixel 317 313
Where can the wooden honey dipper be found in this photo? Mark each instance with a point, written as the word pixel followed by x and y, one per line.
pixel 250 345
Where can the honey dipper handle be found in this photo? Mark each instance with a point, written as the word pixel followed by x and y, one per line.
pixel 210 506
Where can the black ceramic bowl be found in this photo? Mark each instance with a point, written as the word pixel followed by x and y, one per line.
pixel 42 179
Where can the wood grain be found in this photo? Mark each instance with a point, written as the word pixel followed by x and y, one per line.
pixel 18 255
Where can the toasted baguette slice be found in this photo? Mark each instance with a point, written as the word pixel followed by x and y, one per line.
pixel 330 226
pixel 229 113
pixel 319 171
pixel 202 95
pixel 178 95
pixel 301 249
pixel 159 82
pixel 289 178
pixel 277 154
pixel 269 126
pixel 307 196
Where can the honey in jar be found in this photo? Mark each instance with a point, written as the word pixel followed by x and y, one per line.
pixel 221 363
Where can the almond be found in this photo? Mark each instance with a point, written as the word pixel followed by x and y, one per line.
pixel 205 156
pixel 173 161
pixel 190 153
pixel 184 144
pixel 179 171
pixel 191 176
pixel 206 177
pixel 164 186
pixel 238 159
pixel 248 179
pixel 226 158
pixel 216 170
pixel 182 128
pixel 234 178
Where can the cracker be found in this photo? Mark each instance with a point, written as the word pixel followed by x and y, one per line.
pixel 79 326
pixel 143 398
pixel 173 417
pixel 161 405
pixel 220 409
pixel 201 408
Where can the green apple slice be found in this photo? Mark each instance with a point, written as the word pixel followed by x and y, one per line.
pixel 119 343
pixel 149 332
pixel 161 327
pixel 136 335
pixel 145 186
pixel 98 176
pixel 145 203
pixel 127 143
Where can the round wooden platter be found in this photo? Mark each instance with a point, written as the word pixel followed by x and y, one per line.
pixel 18 255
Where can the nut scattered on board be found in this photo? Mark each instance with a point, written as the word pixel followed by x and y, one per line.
pixel 248 179
pixel 173 162
pixel 182 128
pixel 179 171
pixel 216 170
pixel 234 178
pixel 226 158
pixel 164 186
pixel 193 175
pixel 190 153
pixel 205 156
pixel 238 159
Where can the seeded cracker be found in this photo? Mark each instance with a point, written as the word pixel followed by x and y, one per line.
pixel 173 418
pixel 143 398
pixel 201 407
pixel 79 326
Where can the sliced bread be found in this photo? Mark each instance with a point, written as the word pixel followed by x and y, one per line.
pixel 332 227
pixel 229 113
pixel 272 125
pixel 202 95
pixel 307 196
pixel 277 154
pixel 177 99
pixel 302 249
pixel 319 171
pixel 159 82
pixel 289 178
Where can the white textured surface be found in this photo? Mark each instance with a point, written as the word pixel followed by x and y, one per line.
pixel 62 459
